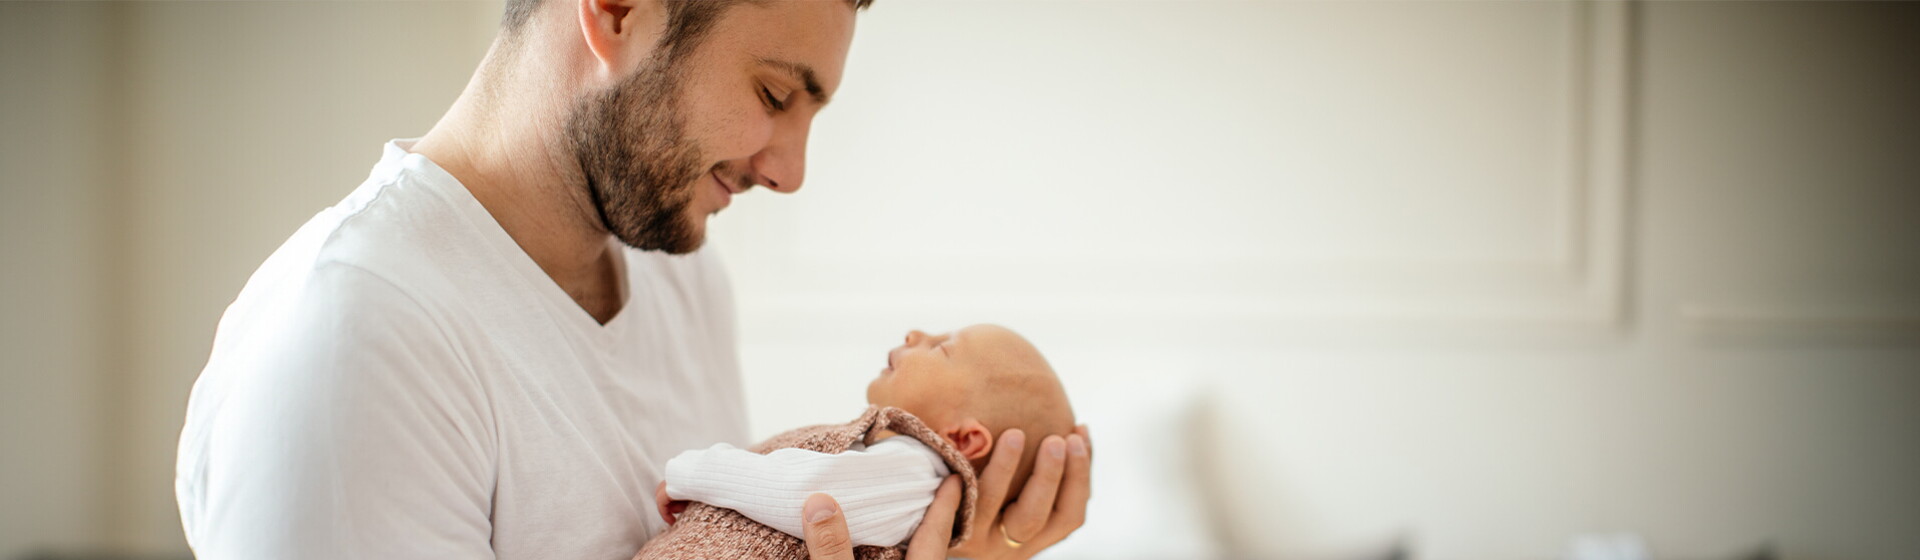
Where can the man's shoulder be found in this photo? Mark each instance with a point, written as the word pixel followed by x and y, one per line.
pixel 349 304
pixel 402 230
pixel 390 233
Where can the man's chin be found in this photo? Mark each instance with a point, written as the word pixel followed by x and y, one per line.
pixel 686 249
pixel 671 246
pixel 687 236
pixel 695 238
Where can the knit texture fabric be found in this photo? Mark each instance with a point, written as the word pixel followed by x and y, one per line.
pixel 705 531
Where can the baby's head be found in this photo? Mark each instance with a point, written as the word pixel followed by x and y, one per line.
pixel 972 384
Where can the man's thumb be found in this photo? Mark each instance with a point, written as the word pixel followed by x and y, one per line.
pixel 826 529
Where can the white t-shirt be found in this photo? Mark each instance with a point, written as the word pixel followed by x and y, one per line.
pixel 885 488
pixel 400 380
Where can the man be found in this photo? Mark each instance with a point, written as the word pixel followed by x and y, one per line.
pixel 490 347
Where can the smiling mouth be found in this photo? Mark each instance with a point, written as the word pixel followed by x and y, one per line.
pixel 726 193
pixel 723 183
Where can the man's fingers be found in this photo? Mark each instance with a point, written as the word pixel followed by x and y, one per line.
pixel 998 476
pixel 826 529
pixel 936 528
pixel 1070 509
pixel 1026 516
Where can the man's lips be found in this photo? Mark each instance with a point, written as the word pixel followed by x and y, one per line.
pixel 723 183
pixel 725 194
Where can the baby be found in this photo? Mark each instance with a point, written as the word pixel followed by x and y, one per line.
pixel 937 409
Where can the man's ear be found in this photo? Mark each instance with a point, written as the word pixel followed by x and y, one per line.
pixel 973 440
pixel 620 33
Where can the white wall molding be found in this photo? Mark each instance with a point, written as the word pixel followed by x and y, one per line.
pixel 1577 287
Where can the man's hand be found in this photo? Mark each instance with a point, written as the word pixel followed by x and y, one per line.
pixel 669 508
pixel 1052 506
pixel 827 536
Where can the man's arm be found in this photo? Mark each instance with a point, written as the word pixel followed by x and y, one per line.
pixel 886 488
pixel 336 424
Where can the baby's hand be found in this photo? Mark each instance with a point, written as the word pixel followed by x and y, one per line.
pixel 669 507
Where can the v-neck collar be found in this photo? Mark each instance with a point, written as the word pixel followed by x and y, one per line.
pixel 567 313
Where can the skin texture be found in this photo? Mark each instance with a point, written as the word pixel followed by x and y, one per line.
pixel 542 131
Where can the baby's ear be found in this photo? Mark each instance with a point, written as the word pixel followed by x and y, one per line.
pixel 971 438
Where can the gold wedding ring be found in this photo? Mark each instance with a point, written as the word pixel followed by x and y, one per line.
pixel 1009 538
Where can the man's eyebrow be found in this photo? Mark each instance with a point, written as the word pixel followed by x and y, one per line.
pixel 801 72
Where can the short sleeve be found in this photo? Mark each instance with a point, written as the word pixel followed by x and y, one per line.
pixel 337 421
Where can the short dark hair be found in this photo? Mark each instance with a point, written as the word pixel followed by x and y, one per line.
pixel 686 19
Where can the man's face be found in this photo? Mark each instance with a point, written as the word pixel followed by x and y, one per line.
pixel 672 144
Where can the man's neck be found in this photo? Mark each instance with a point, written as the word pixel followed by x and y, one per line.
pixel 517 167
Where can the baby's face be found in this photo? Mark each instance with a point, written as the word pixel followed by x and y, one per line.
pixel 971 386
pixel 934 376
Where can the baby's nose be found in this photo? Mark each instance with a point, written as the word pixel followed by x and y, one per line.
pixel 914 337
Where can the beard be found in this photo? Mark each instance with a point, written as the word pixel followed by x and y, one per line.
pixel 639 166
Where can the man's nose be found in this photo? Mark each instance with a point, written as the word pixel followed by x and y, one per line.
pixel 783 164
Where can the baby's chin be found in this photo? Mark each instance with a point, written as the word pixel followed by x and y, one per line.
pixel 874 396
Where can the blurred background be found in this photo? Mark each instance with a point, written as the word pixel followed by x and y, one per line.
pixel 1451 280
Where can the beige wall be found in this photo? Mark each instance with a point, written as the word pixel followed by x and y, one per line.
pixel 57 319
pixel 155 154
pixel 250 118
pixel 1466 277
